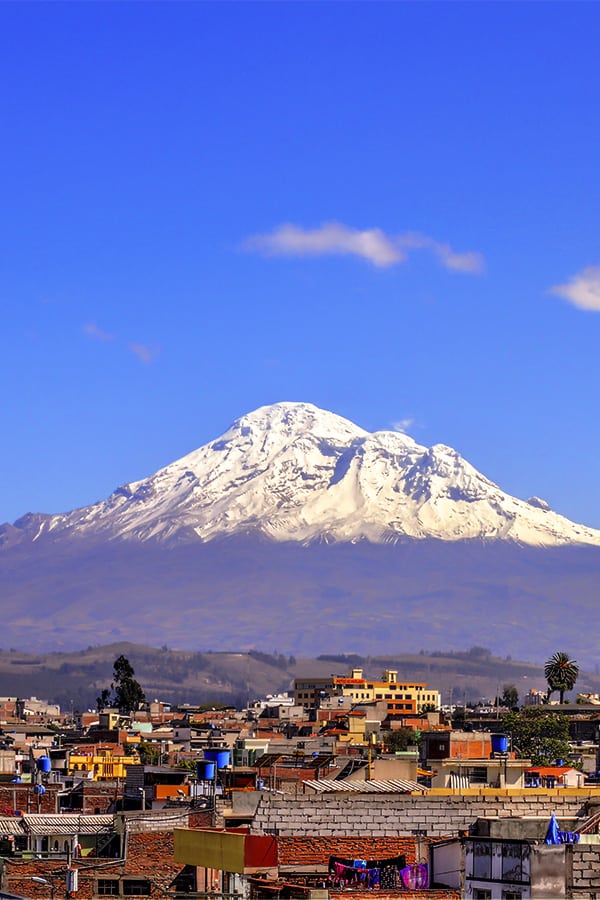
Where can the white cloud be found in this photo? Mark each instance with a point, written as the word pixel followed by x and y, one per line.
pixel 98 334
pixel 374 245
pixel 403 425
pixel 470 262
pixel 328 240
pixel 144 352
pixel 583 290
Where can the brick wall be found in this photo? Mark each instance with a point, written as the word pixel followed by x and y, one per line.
pixel 585 870
pixel 21 796
pixel 101 797
pixel 475 747
pixel 149 856
pixel 388 815
pixel 200 820
pixel 295 851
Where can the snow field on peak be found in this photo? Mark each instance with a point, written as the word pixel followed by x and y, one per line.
pixel 294 472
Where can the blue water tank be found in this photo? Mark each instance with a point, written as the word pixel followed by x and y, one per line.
pixel 220 757
pixel 43 763
pixel 205 769
pixel 499 743
pixel 39 789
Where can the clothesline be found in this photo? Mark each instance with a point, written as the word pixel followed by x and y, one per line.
pixel 378 873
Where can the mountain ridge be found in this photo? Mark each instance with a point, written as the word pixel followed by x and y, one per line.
pixel 291 471
pixel 282 574
pixel 75 678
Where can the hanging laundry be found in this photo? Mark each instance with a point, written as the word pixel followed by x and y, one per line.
pixel 415 878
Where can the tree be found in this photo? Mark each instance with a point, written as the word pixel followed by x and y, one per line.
pixel 149 753
pixel 510 696
pixel 125 693
pixel 398 739
pixel 539 734
pixel 561 674
pixel 458 717
pixel 128 692
pixel 104 699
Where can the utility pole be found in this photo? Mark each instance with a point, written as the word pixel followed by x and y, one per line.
pixel 370 756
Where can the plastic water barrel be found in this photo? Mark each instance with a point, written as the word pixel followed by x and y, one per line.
pixel 43 763
pixel 220 757
pixel 205 769
pixel 499 743
pixel 39 789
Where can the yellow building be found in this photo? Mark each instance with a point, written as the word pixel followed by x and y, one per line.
pixel 401 697
pixel 103 765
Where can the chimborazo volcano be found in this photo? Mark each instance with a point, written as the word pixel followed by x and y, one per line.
pixel 296 530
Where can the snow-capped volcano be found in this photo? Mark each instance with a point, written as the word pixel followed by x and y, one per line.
pixel 293 472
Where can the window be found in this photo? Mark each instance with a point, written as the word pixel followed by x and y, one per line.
pixel 108 887
pixel 482 894
pixel 136 887
pixel 482 860
pixel 511 895
pixel 478 775
pixel 512 861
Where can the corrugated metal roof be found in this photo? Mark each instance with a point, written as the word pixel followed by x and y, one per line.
pixel 67 823
pixel 364 787
pixel 267 760
pixel 295 760
pixel 10 825
pixel 137 821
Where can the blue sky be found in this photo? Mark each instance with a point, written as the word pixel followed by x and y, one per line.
pixel 387 209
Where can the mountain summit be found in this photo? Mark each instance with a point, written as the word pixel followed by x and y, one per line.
pixel 293 472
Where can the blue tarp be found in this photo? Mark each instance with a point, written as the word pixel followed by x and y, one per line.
pixel 553 831
pixel 555 836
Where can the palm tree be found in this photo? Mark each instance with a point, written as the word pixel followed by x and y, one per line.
pixel 561 674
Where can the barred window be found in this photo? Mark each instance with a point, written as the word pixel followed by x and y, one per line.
pixel 108 887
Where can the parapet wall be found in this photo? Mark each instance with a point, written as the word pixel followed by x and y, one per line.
pixel 389 815
pixel 585 877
